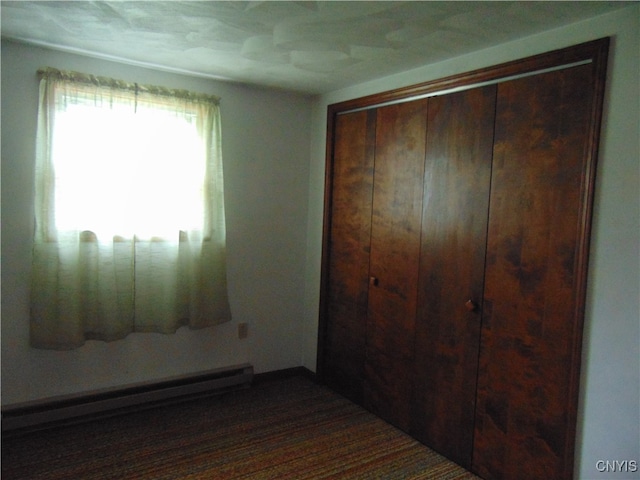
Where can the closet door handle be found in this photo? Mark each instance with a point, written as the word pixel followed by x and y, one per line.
pixel 471 305
pixel 373 281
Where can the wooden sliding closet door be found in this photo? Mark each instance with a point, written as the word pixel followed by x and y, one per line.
pixel 350 238
pixel 536 258
pixel 394 260
pixel 454 227
pixel 455 255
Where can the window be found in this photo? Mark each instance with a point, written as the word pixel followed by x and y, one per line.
pixel 150 181
pixel 129 208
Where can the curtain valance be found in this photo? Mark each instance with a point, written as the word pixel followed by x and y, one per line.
pixel 50 73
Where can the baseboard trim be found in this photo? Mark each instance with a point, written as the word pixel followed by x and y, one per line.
pixel 87 406
pixel 283 374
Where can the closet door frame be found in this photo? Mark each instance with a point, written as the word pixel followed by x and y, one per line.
pixel 594 52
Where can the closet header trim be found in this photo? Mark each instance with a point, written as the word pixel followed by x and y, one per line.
pixel 590 53
pixel 462 88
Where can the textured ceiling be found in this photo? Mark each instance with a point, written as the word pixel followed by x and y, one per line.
pixel 311 47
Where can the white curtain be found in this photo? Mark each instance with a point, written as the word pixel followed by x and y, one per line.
pixel 129 211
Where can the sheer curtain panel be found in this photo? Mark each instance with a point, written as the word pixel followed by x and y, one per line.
pixel 129 210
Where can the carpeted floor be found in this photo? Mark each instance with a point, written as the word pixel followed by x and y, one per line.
pixel 284 429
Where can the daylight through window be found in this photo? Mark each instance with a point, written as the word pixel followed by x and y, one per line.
pixel 130 230
pixel 149 182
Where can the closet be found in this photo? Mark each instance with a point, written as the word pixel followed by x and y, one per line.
pixel 457 220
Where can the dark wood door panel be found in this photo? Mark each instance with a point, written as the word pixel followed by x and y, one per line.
pixel 348 266
pixel 387 387
pixel 409 180
pixel 532 323
pixel 454 225
pixel 395 250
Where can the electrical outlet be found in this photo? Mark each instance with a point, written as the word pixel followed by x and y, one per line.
pixel 243 330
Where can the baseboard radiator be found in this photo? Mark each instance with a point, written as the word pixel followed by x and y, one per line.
pixel 116 400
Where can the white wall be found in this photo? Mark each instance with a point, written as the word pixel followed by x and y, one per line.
pixel 266 139
pixel 609 410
